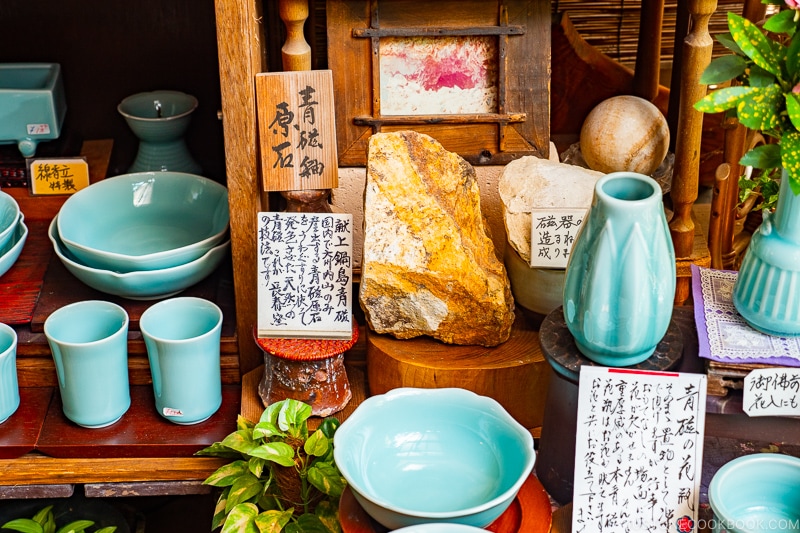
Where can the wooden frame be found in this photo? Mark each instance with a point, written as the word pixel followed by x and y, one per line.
pixel 519 126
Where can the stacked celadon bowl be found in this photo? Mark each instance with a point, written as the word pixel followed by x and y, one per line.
pixel 13 232
pixel 144 235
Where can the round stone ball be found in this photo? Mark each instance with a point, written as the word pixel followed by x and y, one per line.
pixel 625 133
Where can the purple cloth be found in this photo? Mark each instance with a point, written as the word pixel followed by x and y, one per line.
pixel 722 333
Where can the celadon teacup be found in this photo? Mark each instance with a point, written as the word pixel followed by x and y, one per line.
pixel 89 342
pixel 9 386
pixel 182 336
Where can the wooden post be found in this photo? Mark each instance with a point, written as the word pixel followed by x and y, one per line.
pixel 696 56
pixel 648 55
pixel 239 38
pixel 296 52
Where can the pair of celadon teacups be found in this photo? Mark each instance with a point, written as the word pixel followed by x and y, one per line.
pixel 89 343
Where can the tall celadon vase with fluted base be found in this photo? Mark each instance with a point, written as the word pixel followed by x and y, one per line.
pixel 619 286
pixel 767 288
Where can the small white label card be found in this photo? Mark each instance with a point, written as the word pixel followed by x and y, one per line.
pixel 305 275
pixel 553 232
pixel 772 391
pixel 638 451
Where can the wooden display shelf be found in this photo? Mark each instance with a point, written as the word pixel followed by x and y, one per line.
pixel 39 425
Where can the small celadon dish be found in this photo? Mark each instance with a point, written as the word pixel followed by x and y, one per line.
pixel 755 493
pixel 440 528
pixel 144 221
pixel 9 216
pixel 11 250
pixel 144 284
pixel 422 456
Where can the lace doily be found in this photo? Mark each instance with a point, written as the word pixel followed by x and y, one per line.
pixel 722 333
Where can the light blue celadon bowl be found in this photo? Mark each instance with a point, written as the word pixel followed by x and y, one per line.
pixel 756 493
pixel 144 284
pixel 9 216
pixel 144 221
pixel 419 456
pixel 11 250
pixel 440 528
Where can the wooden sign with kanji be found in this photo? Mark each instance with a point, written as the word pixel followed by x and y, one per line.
pixel 297 131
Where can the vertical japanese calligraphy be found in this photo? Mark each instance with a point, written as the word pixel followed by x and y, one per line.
pixel 553 233
pixel 639 451
pixel 297 130
pixel 305 275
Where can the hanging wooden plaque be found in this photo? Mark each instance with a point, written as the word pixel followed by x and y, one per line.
pixel 297 132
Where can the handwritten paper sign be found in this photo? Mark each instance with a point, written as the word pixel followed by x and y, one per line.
pixel 58 176
pixel 639 451
pixel 305 275
pixel 297 130
pixel 553 233
pixel 772 392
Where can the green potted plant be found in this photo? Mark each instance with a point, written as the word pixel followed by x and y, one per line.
pixel 281 478
pixel 44 521
pixel 765 64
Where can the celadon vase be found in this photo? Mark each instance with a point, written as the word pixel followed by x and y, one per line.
pixel 619 286
pixel 767 289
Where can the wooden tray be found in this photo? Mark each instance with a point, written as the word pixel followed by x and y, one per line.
pixel 20 286
pixel 19 433
pixel 530 512
pixel 140 433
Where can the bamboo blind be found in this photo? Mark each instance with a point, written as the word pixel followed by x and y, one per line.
pixel 612 26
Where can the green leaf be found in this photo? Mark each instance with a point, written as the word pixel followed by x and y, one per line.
pixel 763 156
pixel 256 466
pixel 44 515
pixel 243 423
pixel 790 156
pixel 793 58
pixel 317 444
pixel 270 414
pixel 329 426
pixel 793 109
pixel 326 478
pixel 782 22
pixel 762 108
pixel 277 452
pixel 226 475
pixel 273 521
pixel 241 441
pixel 218 450
pixel 78 526
pixel 107 529
pixel 246 487
pixel 292 418
pixel 726 40
pixel 753 43
pixel 309 523
pixel 760 77
pixel 219 509
pixel 328 513
pixel 266 430
pixel 722 99
pixel 241 519
pixel 24 525
pixel 722 69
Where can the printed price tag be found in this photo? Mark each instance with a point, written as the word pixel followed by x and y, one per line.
pixel 553 233
pixel 58 176
pixel 772 392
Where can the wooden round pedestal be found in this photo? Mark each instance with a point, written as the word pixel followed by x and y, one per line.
pixel 513 373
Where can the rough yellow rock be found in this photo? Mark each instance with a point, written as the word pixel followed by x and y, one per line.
pixel 429 267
